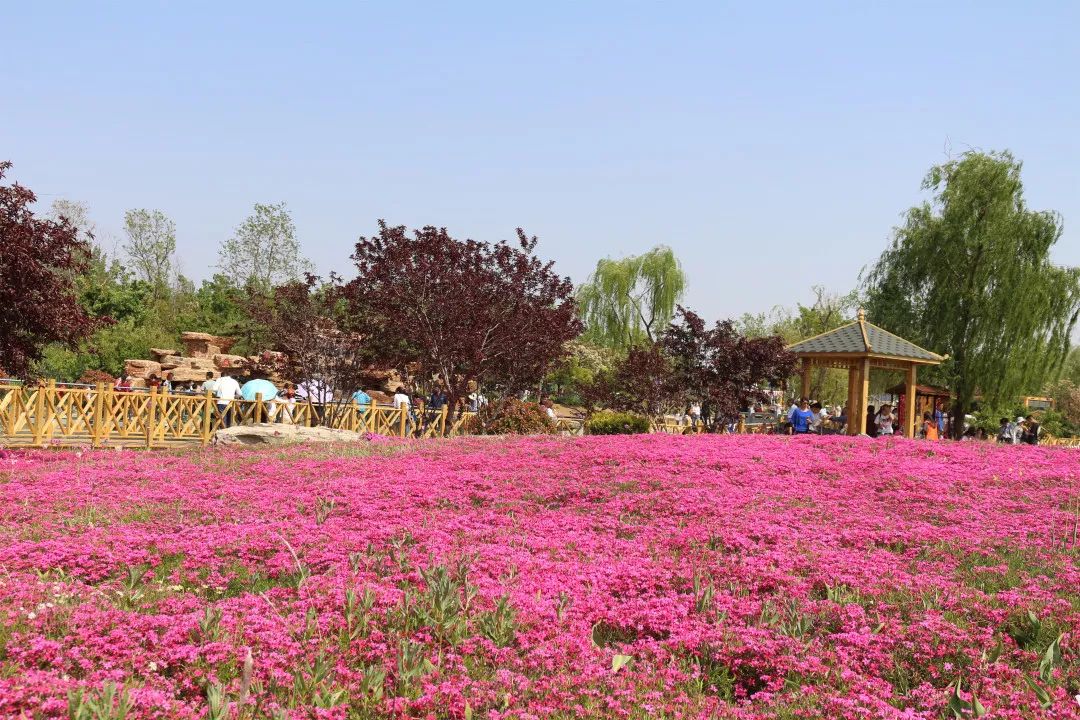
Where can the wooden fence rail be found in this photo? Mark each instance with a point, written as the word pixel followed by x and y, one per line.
pixel 47 414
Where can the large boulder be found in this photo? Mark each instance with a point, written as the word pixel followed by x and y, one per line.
pixel 141 368
pixel 281 434
pixel 229 362
pixel 197 344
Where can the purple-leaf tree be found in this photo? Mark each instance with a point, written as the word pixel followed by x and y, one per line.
pixel 39 262
pixel 461 310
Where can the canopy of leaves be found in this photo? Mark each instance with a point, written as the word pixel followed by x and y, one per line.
pixel 828 312
pixel 39 261
pixel 642 381
pixel 722 367
pixel 263 251
pixel 627 302
pixel 461 309
pixel 302 319
pixel 969 274
pixel 150 244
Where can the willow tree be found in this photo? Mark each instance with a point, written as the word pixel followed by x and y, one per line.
pixel 627 302
pixel 969 274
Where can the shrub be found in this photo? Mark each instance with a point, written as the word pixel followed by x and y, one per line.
pixel 93 377
pixel 511 417
pixel 617 423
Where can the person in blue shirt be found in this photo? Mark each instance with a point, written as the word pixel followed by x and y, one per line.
pixel 801 418
pixel 362 399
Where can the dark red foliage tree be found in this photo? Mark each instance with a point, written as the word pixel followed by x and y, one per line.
pixel 721 367
pixel 642 382
pixel 461 310
pixel 306 341
pixel 39 262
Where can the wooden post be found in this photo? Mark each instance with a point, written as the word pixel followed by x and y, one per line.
pixel 909 424
pixel 151 407
pixel 442 420
pixel 207 417
pixel 401 423
pixel 39 415
pixel 97 430
pixel 805 378
pixel 864 394
pixel 852 394
pixel 258 409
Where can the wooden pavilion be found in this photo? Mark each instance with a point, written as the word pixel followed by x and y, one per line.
pixel 857 347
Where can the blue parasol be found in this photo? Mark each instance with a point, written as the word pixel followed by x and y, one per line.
pixel 254 387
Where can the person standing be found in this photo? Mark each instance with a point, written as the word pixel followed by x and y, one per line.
pixel 871 421
pixel 403 404
pixel 208 385
pixel 1006 431
pixel 1030 434
pixel 801 418
pixel 227 390
pixel 884 421
pixel 930 427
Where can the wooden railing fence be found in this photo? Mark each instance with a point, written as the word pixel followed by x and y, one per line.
pixel 48 414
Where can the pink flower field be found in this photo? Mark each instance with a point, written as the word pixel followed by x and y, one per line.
pixel 644 576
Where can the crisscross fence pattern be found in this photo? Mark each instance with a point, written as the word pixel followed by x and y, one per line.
pixel 50 415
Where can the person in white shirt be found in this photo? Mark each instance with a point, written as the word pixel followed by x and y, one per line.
pixel 226 389
pixel 549 408
pixel 403 403
pixel 817 418
pixel 884 420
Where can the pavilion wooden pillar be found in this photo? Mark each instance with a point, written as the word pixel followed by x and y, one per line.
pixel 805 390
pixel 909 401
pixel 852 395
pixel 864 394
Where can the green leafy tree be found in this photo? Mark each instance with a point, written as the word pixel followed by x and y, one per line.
pixel 150 245
pixel 828 312
pixel 969 274
pixel 263 251
pixel 630 301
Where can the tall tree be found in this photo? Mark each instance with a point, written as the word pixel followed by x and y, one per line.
pixel 721 366
pixel 828 312
pixel 629 301
pixel 969 274
pixel 461 309
pixel 263 251
pixel 39 261
pixel 150 245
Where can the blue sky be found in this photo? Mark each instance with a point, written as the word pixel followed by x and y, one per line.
pixel 772 145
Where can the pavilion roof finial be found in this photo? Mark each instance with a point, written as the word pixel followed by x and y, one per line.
pixel 862 328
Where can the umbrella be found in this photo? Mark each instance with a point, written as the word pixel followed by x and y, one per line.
pixel 255 387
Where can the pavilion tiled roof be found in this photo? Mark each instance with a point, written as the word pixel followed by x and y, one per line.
pixel 864 338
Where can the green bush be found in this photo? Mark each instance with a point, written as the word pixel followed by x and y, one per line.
pixel 511 417
pixel 617 423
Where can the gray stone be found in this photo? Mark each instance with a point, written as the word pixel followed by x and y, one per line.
pixel 282 434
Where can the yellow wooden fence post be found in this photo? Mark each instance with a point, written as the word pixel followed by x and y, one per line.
pixel 207 417
pixel 151 414
pixel 258 409
pixel 39 415
pixel 442 420
pixel 401 425
pixel 97 429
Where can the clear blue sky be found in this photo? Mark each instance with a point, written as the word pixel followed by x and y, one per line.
pixel 772 145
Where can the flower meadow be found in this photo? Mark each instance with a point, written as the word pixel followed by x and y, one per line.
pixel 625 576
